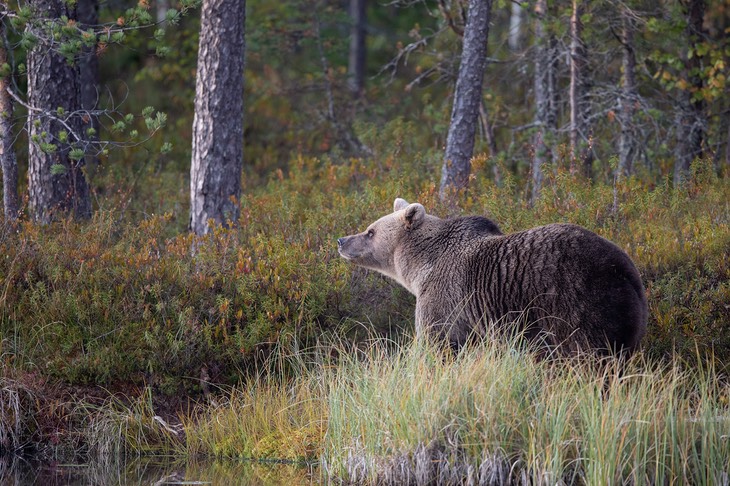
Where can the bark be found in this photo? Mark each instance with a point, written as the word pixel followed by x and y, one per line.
pixel 7 154
pixel 491 141
pixel 579 130
pixel 691 118
pixel 514 40
pixel 545 92
pixel 217 158
pixel 54 83
pixel 161 8
pixel 467 98
pixel 356 62
pixel 629 98
pixel 727 151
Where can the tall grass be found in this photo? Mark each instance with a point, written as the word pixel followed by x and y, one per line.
pixel 497 414
pixel 391 413
pixel 264 419
pixel 493 414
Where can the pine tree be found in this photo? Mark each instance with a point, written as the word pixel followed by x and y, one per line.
pixel 467 99
pixel 217 160
pixel 56 180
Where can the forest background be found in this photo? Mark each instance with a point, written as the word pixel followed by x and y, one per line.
pixel 611 114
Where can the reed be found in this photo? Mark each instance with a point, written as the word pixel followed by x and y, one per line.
pixel 496 413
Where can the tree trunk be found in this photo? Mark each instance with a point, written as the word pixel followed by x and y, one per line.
pixel 217 159
pixel 691 118
pixel 161 8
pixel 579 135
pixel 727 152
pixel 545 92
pixel 467 98
pixel 7 154
pixel 56 183
pixel 514 40
pixel 629 98
pixel 356 64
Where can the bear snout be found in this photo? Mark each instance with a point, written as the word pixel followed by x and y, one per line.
pixel 341 242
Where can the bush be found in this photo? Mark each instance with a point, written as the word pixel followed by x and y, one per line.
pixel 117 301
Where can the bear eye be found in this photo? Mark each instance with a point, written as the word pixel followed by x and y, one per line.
pixel 371 233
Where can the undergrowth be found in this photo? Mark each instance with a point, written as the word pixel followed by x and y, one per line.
pixel 498 415
pixel 139 305
pixel 493 414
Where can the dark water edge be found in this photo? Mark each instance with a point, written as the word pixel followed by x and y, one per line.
pixel 154 470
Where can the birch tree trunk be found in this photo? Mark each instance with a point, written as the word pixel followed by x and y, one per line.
pixel 691 118
pixel 467 98
pixel 161 8
pixel 628 99
pixel 217 159
pixel 579 131
pixel 514 39
pixel 356 61
pixel 544 99
pixel 56 183
pixel 7 154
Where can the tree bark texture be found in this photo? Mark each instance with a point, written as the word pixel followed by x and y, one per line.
pixel 579 130
pixel 691 118
pixel 629 98
pixel 545 105
pixel 161 8
pixel 467 98
pixel 54 83
pixel 514 40
pixel 356 61
pixel 7 154
pixel 217 159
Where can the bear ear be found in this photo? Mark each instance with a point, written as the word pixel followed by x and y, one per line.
pixel 399 204
pixel 413 215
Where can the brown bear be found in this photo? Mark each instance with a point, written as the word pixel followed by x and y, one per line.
pixel 560 284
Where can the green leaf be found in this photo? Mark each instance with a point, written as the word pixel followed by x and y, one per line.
pixel 58 169
pixel 172 16
pixel 28 41
pixel 166 148
pixel 144 17
pixel 162 51
pixel 48 148
pixel 157 122
pixel 147 112
pixel 63 136
pixel 76 154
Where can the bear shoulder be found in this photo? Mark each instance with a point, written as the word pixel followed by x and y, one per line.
pixel 476 225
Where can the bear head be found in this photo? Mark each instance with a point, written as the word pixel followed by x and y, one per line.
pixel 375 247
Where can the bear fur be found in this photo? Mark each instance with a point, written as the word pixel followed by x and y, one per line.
pixel 559 284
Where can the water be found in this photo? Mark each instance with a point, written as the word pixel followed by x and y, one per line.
pixel 153 471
